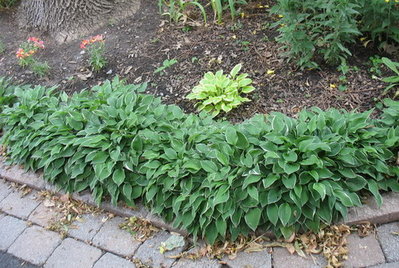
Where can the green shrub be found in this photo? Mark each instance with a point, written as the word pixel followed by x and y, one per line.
pixel 219 92
pixel 214 179
pixel 312 28
pixel 380 20
pixel 316 27
pixel 394 79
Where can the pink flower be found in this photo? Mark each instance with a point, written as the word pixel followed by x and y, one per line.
pixel 36 41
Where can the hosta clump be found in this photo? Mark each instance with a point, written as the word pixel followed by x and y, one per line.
pixel 214 179
pixel 219 92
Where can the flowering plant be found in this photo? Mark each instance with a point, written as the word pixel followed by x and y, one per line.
pixel 95 46
pixel 25 55
pixel 28 49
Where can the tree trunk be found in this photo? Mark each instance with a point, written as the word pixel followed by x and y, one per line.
pixel 68 19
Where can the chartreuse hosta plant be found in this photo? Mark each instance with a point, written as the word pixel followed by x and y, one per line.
pixel 215 179
pixel 220 92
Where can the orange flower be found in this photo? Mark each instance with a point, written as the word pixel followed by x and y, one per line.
pixel 94 39
pixel 20 53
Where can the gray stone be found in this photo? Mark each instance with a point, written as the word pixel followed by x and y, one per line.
pixel 386 265
pixel 10 229
pixel 9 261
pixel 112 238
pixel 2 215
pixel 35 245
pixel 389 241
pixel 43 215
pixel 110 260
pixel 203 263
pixel 363 252
pixel 4 189
pixel 19 206
pixel 149 253
pixel 250 260
pixel 86 228
pixel 388 212
pixel 72 253
pixel 19 175
pixel 282 258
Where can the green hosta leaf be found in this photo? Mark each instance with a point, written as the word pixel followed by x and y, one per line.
pixel 251 179
pixel 290 168
pixel 242 141
pixel 373 188
pixel 252 218
pixel 127 191
pixel 321 189
pixel 344 197
pixel 284 213
pixel 119 176
pixel 231 136
pixel 223 158
pixel 287 231
pixel 209 166
pixel 170 153
pixel 273 196
pixel 221 226
pixel 356 184
pixel 272 213
pixel 269 180
pixel 99 158
pixel 289 181
pixel 253 192
pixel 211 233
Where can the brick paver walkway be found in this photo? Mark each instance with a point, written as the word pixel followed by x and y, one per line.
pixel 98 243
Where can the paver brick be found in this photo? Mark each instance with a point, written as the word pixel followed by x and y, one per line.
pixel 149 253
pixel 203 263
pixel 35 245
pixel 19 175
pixel 389 241
pixel 72 253
pixel 19 206
pixel 43 215
pixel 10 229
pixel 4 189
pixel 388 212
pixel 386 265
pixel 110 260
pixel 9 261
pixel 363 252
pixel 251 260
pixel 112 238
pixel 282 259
pixel 86 228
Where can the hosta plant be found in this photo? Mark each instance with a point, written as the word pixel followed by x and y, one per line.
pixel 215 179
pixel 220 92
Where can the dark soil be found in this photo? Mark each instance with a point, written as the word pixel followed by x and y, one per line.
pixel 139 45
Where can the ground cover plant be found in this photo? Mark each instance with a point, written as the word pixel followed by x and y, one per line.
pixel 213 178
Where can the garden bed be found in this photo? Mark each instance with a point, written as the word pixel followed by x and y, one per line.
pixel 286 172
pixel 139 45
